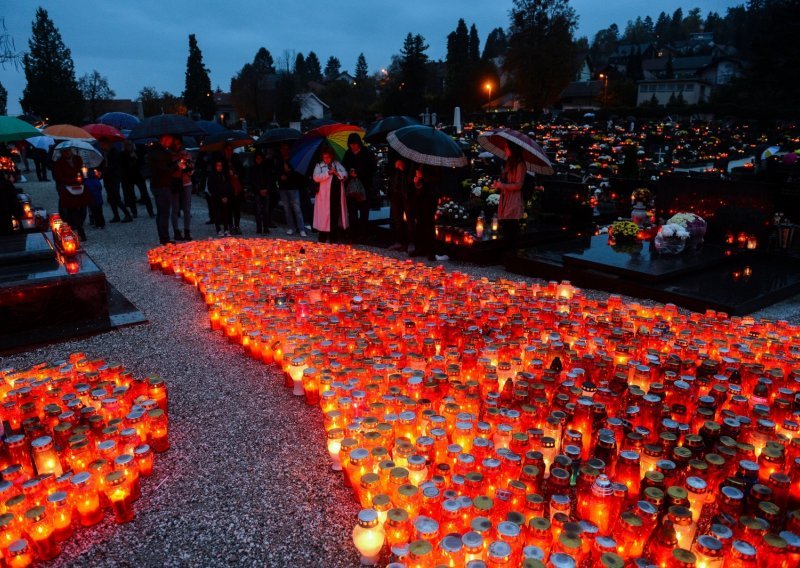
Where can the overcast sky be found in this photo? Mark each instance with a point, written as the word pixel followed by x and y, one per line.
pixel 145 42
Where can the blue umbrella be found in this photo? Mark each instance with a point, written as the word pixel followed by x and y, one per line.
pixel 210 127
pixel 120 120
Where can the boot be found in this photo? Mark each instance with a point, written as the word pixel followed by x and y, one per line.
pixel 128 219
pixel 178 235
pixel 187 236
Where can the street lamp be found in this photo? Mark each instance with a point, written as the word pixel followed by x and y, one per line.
pixel 488 87
pixel 604 77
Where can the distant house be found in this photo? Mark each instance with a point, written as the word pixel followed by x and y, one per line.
pixel 311 106
pixel 507 103
pixel 582 95
pixel 692 77
pixel 226 112
pixel 692 90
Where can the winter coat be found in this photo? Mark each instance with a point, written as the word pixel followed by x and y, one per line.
pixel 364 163
pixel 322 202
pixel 511 206
pixel 219 185
pixel 95 189
pixel 161 165
pixel 68 177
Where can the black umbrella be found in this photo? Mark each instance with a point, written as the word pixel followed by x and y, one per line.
pixel 155 126
pixel 210 127
pixel 380 129
pixel 426 145
pixel 277 135
pixel 233 138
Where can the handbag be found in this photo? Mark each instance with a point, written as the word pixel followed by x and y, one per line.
pixel 355 190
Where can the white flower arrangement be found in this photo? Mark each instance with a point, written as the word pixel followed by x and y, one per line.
pixel 673 230
pixel 682 219
pixel 493 199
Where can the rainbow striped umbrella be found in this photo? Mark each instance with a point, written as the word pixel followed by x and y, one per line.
pixel 306 150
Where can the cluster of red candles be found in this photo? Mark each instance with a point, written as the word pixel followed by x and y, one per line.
pixel 78 435
pixel 64 238
pixel 500 423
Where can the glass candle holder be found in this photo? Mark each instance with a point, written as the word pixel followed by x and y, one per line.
pixel 39 528
pixel 708 551
pixel 368 537
pixel 86 499
pixel 60 512
pixel 19 554
pixel 45 456
pixel 119 494
pixel 158 438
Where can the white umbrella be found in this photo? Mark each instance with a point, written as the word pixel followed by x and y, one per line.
pixel 89 154
pixel 41 142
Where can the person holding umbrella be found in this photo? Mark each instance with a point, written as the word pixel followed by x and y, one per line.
pixel 182 190
pixel 330 205
pixel 73 199
pixel 360 164
pixel 290 183
pixel 511 208
pixel 162 170
pixel 112 180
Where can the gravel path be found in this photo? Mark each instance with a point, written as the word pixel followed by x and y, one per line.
pixel 246 481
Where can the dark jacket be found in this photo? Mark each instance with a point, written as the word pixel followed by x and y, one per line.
pixel 364 164
pixel 262 176
pixel 219 185
pixel 162 166
pixel 287 177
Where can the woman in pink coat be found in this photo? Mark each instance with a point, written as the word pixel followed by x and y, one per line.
pixel 511 208
pixel 330 204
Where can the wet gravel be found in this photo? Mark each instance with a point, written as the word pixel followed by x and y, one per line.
pixel 247 480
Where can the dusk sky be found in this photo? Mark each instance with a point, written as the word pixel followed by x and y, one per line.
pixel 145 42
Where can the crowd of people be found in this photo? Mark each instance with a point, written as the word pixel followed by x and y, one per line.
pixel 333 200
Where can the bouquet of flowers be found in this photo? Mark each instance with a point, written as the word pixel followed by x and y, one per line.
pixel 623 230
pixel 671 239
pixel 693 224
pixel 642 195
pixel 450 211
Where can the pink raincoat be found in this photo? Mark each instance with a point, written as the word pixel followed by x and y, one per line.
pixel 511 206
pixel 322 213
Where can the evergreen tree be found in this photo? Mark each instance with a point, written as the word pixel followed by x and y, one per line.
pixel 541 56
pixel 474 45
pixel 95 89
pixel 300 72
pixel 669 70
pixel 604 43
pixel 496 44
pixel 661 28
pixel 332 68
pixel 197 94
pixel 362 71
pixel 676 26
pixel 52 91
pixel 263 64
pixel 413 76
pixel 3 100
pixel 693 22
pixel 457 64
pixel 313 67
